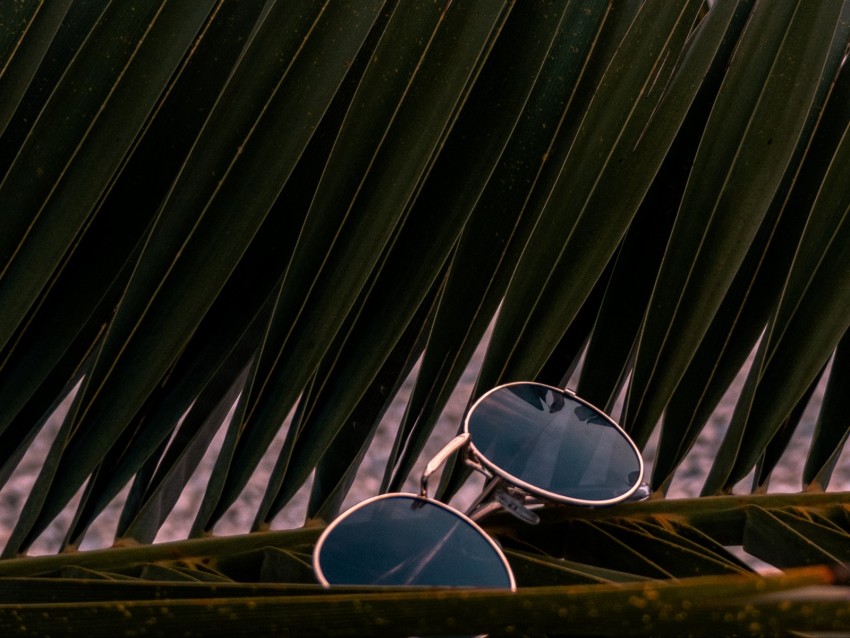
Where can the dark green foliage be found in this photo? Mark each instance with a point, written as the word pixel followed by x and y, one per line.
pixel 284 207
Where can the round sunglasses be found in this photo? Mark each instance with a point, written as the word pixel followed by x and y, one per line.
pixel 535 443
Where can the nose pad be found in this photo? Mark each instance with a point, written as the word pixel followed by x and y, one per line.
pixel 641 493
pixel 515 507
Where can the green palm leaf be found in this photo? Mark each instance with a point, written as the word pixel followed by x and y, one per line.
pixel 232 226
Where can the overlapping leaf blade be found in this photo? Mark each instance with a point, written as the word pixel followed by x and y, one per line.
pixel 15 25
pixel 496 231
pixel 567 245
pixel 37 23
pixel 741 318
pixel 611 349
pixel 73 31
pixel 180 246
pixel 71 315
pixel 93 119
pixel 440 210
pixel 831 428
pixel 755 123
pixel 402 132
pixel 821 243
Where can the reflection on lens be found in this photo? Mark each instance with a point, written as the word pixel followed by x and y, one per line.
pixel 402 539
pixel 545 438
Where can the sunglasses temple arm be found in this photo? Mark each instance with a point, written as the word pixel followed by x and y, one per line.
pixel 434 464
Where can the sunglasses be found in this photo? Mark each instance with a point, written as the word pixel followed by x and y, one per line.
pixel 535 444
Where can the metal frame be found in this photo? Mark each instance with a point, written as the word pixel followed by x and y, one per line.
pixel 478 461
pixel 317 568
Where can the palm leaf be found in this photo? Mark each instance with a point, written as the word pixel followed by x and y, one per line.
pixel 38 22
pixel 183 571
pixel 663 31
pixel 261 221
pixel 317 296
pixel 725 195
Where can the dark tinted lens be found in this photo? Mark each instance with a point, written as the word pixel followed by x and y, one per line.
pixel 404 540
pixel 546 438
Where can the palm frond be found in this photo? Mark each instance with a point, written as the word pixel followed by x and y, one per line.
pixel 234 226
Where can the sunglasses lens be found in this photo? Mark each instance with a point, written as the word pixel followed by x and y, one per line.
pixel 547 439
pixel 406 540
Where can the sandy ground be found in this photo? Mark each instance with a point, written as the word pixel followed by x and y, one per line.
pixel 238 520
